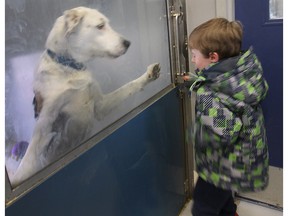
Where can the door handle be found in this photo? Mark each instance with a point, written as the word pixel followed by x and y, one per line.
pixel 179 41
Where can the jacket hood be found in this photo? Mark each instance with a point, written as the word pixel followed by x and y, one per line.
pixel 240 78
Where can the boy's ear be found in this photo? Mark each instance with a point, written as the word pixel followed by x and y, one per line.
pixel 214 57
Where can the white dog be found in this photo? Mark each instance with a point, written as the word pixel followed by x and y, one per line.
pixel 67 100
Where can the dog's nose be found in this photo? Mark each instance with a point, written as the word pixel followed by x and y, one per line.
pixel 126 43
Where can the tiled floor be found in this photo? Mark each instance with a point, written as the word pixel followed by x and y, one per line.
pixel 272 195
pixel 244 209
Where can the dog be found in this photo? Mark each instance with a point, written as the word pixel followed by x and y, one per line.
pixel 68 101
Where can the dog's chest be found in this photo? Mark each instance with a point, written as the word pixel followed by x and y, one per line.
pixel 51 75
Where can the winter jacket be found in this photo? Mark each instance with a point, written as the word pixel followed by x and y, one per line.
pixel 230 140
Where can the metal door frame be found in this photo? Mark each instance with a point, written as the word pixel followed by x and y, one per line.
pixel 179 64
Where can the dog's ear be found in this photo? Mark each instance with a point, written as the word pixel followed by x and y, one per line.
pixel 72 18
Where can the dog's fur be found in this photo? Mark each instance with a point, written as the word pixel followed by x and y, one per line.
pixel 67 100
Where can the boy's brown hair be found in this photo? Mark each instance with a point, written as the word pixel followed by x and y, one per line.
pixel 217 35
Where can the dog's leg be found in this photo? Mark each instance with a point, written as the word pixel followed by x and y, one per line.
pixel 33 161
pixel 113 99
pixel 28 166
pixel 56 132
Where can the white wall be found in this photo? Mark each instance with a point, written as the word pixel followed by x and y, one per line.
pixel 199 11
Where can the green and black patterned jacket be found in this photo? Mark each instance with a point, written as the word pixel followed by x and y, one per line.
pixel 230 139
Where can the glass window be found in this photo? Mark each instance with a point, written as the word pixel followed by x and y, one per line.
pixel 275 9
pixel 28 23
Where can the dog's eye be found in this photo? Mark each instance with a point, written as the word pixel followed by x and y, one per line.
pixel 100 26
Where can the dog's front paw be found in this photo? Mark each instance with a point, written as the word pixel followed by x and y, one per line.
pixel 153 71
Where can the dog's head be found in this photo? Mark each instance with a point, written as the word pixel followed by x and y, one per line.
pixel 87 34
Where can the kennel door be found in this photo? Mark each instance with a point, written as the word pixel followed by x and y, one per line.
pixel 134 163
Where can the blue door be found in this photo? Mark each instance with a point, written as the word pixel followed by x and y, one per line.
pixel 263 29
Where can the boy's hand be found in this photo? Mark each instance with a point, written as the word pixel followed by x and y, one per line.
pixel 190 77
pixel 186 78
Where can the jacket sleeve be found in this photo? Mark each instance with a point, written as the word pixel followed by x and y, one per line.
pixel 216 123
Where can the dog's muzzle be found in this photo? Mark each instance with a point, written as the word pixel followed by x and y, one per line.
pixel 124 48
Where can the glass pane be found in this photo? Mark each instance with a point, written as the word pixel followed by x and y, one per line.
pixel 65 125
pixel 275 9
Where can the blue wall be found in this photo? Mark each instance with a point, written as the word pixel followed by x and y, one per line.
pixel 266 37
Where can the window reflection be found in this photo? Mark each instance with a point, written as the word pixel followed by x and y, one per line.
pixel 275 9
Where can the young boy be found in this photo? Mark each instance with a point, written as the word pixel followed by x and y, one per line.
pixel 231 150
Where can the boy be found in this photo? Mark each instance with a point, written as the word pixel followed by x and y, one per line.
pixel 231 150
